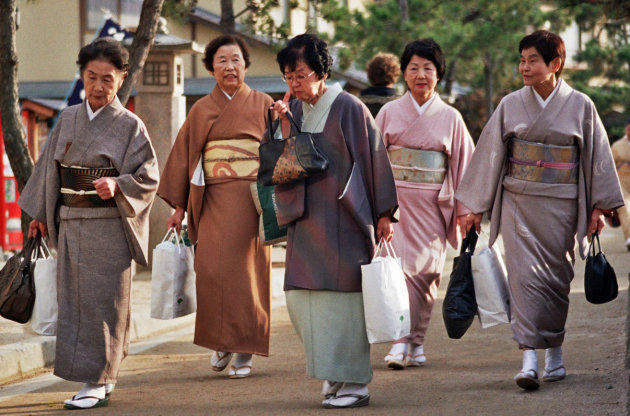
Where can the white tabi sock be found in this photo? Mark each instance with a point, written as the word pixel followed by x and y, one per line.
pixel 398 351
pixel 530 361
pixel 553 358
pixel 89 389
pixel 242 359
pixel 348 388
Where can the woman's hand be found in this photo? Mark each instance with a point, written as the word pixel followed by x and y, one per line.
pixel 596 223
pixel 281 108
pixel 385 228
pixel 37 225
pixel 176 219
pixel 462 223
pixel 106 187
pixel 474 220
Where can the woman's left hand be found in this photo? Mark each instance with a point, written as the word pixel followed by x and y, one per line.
pixel 385 228
pixel 106 187
pixel 596 223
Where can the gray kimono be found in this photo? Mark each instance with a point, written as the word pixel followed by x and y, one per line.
pixel 95 246
pixel 539 221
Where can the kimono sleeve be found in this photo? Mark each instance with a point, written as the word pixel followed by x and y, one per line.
pixel 175 184
pixel 462 152
pixel 478 187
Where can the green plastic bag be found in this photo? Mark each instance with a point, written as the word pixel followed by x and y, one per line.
pixel 269 230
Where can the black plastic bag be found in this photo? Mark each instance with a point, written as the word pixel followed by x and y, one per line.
pixel 460 306
pixel 600 280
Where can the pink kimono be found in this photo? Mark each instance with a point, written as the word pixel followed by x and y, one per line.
pixel 428 211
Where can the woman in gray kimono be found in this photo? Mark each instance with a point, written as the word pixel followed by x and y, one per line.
pixel 333 219
pixel 544 171
pixel 91 191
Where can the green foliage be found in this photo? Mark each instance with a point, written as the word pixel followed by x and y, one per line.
pixel 177 9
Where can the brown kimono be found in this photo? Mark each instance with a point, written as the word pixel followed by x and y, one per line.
pixel 95 246
pixel 538 220
pixel 233 267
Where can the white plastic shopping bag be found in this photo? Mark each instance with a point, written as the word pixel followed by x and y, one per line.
pixel 491 286
pixel 385 297
pixel 44 317
pixel 172 278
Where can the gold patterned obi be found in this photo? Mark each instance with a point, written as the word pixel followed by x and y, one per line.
pixel 538 162
pixel 419 166
pixel 623 168
pixel 233 157
pixel 77 190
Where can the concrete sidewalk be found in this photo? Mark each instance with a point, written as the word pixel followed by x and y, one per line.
pixel 23 352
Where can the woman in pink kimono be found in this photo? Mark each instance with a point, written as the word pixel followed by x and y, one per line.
pixel 429 148
pixel 544 171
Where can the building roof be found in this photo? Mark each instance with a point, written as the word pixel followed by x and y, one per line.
pixel 166 42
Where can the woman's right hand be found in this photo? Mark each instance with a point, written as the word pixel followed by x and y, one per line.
pixel 37 225
pixel 281 108
pixel 474 220
pixel 175 220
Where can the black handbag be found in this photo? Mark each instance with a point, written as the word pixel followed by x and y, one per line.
pixel 600 280
pixel 288 160
pixel 17 284
pixel 460 305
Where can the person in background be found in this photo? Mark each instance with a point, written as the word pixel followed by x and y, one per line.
pixel 208 175
pixel 621 155
pixel 333 219
pixel 91 191
pixel 544 170
pixel 383 71
pixel 429 147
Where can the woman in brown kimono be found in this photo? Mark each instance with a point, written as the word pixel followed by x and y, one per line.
pixel 544 170
pixel 333 220
pixel 208 175
pixel 98 225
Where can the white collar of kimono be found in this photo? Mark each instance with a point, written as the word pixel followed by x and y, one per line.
pixel 313 115
pixel 92 114
pixel 543 103
pixel 228 95
pixel 422 108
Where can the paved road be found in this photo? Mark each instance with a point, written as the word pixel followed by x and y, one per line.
pixel 472 376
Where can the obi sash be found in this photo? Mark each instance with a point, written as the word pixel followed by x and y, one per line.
pixel 416 165
pixel 233 157
pixel 623 168
pixel 77 190
pixel 538 162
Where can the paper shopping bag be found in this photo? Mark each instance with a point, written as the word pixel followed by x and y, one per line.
pixel 44 317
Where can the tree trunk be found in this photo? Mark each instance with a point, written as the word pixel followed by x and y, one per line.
pixel 449 77
pixel 227 17
pixel 488 65
pixel 403 6
pixel 142 41
pixel 12 127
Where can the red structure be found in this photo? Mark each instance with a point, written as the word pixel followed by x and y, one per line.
pixel 10 214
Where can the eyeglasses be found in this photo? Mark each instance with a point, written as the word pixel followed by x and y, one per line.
pixel 299 78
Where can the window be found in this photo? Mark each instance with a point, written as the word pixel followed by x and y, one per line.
pixel 125 12
pixel 155 73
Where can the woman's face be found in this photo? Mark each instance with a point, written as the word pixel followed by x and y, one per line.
pixel 421 78
pixel 229 68
pixel 101 80
pixel 303 83
pixel 534 70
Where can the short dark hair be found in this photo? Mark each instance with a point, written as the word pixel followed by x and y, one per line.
pixel 223 40
pixel 106 49
pixel 425 48
pixel 383 69
pixel 310 49
pixel 548 44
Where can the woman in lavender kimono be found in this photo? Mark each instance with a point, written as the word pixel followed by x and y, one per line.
pixel 333 219
pixel 544 171
pixel 429 147
pixel 98 225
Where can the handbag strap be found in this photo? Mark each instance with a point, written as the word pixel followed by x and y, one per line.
pixel 594 238
pixel 270 126
pixel 470 242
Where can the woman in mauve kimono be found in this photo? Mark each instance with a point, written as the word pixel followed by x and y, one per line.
pixel 429 147
pixel 333 219
pixel 208 175
pixel 544 171
pixel 621 155
pixel 98 225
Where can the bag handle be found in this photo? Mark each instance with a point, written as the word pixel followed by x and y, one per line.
pixel 177 237
pixel 389 248
pixel 470 242
pixel 593 239
pixel 270 126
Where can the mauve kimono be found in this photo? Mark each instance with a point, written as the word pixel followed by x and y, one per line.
pixel 428 211
pixel 95 246
pixel 539 221
pixel 621 155
pixel 233 268
pixel 331 221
